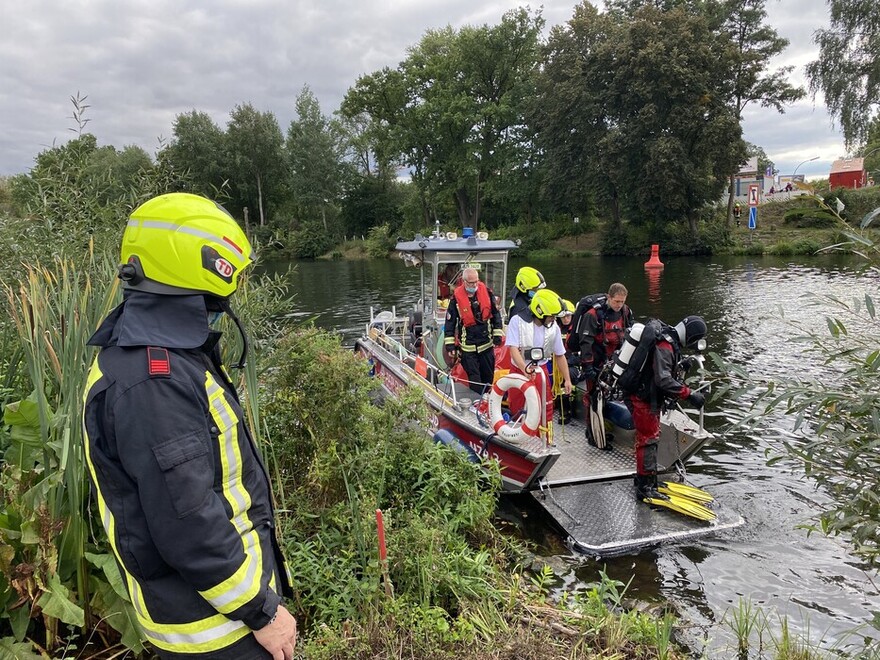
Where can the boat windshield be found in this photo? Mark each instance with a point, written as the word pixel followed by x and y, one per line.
pixel 444 277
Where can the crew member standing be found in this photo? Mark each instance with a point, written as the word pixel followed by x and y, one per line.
pixel 180 486
pixel 473 327
pixel 600 331
pixel 528 281
pixel 656 384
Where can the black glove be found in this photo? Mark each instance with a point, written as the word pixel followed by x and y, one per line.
pixel 496 341
pixel 696 399
pixel 450 348
pixel 588 371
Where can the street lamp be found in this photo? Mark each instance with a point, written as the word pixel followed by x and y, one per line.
pixel 806 161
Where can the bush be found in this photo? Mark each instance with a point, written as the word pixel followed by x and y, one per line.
pixel 338 458
pixel 809 217
pixel 379 242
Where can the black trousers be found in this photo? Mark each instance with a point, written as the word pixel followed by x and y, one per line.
pixel 480 368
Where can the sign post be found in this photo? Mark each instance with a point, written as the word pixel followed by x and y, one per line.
pixel 753 205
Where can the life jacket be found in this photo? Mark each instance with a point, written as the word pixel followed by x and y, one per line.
pixel 527 336
pixel 638 347
pixel 465 310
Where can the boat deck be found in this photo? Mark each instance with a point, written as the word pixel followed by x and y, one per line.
pixel 605 519
pixel 581 462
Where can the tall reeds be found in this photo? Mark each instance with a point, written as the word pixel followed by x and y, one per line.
pixel 54 309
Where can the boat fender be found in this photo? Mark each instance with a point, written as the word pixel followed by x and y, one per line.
pixel 503 428
pixel 631 357
pixel 449 439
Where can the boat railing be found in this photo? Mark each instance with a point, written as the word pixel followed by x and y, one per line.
pixel 434 375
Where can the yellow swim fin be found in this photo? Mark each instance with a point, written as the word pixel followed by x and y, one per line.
pixel 683 506
pixel 684 490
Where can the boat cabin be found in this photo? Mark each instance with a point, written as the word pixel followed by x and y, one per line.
pixel 442 258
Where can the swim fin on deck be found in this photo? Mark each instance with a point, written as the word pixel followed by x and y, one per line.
pixel 683 506
pixel 684 490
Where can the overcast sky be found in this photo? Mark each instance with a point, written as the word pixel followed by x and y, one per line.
pixel 141 63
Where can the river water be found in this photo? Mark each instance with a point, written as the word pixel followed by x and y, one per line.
pixel 748 303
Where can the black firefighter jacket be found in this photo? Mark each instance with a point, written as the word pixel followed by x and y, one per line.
pixel 181 489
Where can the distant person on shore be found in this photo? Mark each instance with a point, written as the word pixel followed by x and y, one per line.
pixel 737 213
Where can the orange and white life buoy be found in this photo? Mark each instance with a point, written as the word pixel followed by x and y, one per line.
pixel 515 432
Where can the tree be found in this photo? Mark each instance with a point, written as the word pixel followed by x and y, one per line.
pixel 575 122
pixel 315 148
pixel 452 112
pixel 199 147
pixel 764 161
pixel 641 107
pixel 754 44
pixel 255 156
pixel 847 72
pixel 871 150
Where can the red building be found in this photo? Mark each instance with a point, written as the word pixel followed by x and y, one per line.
pixel 848 173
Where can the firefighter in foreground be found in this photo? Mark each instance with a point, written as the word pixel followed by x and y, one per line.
pixel 180 486
pixel 653 386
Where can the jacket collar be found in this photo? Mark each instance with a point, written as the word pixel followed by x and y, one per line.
pixel 146 319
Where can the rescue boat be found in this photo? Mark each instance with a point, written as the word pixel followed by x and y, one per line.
pixel 549 458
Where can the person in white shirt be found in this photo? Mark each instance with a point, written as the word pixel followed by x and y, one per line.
pixel 536 327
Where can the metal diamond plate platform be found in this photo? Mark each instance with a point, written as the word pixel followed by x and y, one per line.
pixel 606 520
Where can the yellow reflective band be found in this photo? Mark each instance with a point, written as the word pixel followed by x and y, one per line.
pixel 202 636
pixel 243 585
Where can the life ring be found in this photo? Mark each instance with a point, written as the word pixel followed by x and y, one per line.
pixel 530 425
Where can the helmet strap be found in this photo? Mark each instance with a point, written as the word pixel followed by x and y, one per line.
pixel 242 360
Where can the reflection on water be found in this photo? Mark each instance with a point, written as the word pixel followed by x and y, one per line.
pixel 749 304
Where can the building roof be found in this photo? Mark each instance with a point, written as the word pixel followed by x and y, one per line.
pixel 847 165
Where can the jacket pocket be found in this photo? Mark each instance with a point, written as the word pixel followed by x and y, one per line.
pixel 186 470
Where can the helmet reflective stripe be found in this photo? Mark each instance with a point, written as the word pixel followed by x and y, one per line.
pixel 203 636
pixel 170 226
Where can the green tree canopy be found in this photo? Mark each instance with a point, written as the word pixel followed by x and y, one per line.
pixel 452 111
pixel 255 156
pixel 199 148
pixel 315 150
pixel 847 72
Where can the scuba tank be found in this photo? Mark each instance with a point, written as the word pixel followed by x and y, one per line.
pixel 585 304
pixel 630 359
pixel 623 355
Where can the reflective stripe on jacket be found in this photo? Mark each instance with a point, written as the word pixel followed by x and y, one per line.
pixel 180 486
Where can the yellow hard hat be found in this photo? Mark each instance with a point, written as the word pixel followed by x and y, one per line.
pixel 545 303
pixel 179 244
pixel 528 278
pixel 567 308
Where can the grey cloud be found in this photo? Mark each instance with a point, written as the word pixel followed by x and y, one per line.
pixel 143 62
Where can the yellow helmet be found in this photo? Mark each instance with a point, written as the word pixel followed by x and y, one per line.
pixel 567 308
pixel 545 303
pixel 528 278
pixel 178 244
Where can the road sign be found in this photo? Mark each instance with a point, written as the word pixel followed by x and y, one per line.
pixel 753 217
pixel 753 194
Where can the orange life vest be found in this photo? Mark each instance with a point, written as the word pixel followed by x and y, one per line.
pixel 464 304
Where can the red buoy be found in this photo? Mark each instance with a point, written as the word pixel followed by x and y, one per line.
pixel 654 261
